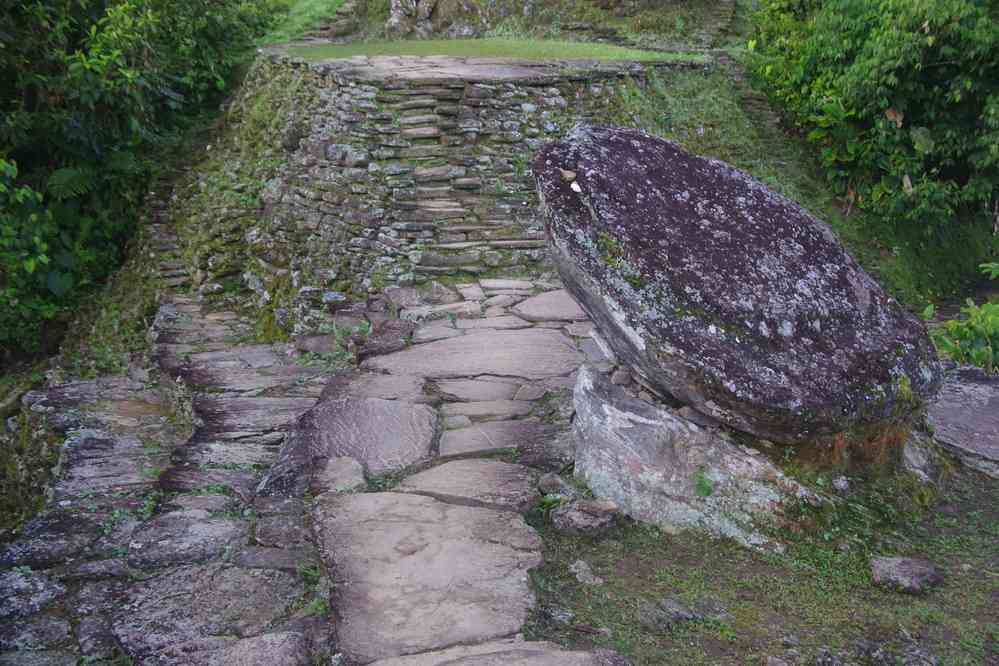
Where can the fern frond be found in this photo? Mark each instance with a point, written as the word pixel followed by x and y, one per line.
pixel 70 182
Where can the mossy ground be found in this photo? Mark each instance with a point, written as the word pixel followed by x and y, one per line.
pixel 818 595
pixel 492 47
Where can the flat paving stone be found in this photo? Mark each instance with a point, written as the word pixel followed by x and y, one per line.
pixel 965 418
pixel 501 284
pixel 491 410
pixel 232 413
pixel 468 390
pixel 387 387
pixel 530 354
pixel 494 436
pixel 555 305
pixel 382 435
pixel 490 483
pixel 502 323
pixel 182 537
pixel 96 460
pixel 199 609
pixel 510 652
pixel 415 574
pixel 433 332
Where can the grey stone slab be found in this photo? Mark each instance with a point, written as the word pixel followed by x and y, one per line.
pixel 388 387
pixel 502 322
pixel 432 332
pixel 26 593
pixel 471 390
pixel 199 609
pixel 484 482
pixel 494 436
pixel 416 574
pixel 556 305
pixel 501 284
pixel 965 418
pixel 286 648
pixel 530 353
pixel 183 537
pixel 96 460
pixel 38 632
pixel 240 413
pixel 509 652
pixel 39 658
pixel 491 410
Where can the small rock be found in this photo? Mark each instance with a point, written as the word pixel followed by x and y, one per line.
pixel 584 574
pixel 841 484
pixel 584 517
pixel 776 661
pixel 558 615
pixel 621 378
pixel 553 484
pixel 664 615
pixel 827 658
pixel 905 574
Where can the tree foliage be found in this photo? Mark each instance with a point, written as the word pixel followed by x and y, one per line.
pixel 901 97
pixel 86 88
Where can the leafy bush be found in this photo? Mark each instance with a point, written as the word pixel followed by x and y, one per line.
pixel 902 98
pixel 973 338
pixel 86 89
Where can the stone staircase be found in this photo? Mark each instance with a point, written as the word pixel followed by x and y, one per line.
pixel 168 540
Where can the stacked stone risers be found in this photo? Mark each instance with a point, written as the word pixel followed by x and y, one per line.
pixel 154 544
pixel 416 168
pixel 342 24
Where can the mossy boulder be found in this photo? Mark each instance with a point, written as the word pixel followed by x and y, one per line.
pixel 726 295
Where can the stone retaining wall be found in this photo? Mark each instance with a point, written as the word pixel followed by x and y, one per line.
pixel 407 170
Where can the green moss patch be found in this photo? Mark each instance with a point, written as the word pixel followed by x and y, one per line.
pixel 817 595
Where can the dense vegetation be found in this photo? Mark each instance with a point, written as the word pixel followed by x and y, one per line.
pixel 902 99
pixel 87 89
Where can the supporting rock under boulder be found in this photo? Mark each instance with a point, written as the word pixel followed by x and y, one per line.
pixel 662 469
pixel 725 294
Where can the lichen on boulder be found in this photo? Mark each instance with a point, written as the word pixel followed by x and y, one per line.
pixel 726 295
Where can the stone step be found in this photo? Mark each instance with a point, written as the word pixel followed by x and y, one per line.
pixel 529 353
pixel 494 436
pixel 396 555
pixel 489 483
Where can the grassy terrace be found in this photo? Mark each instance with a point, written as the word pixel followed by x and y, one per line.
pixel 495 47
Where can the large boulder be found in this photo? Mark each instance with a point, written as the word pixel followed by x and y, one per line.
pixel 726 295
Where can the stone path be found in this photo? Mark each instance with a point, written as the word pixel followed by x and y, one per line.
pixel 181 529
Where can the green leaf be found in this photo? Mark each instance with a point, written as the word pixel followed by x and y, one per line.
pixel 59 283
pixel 922 140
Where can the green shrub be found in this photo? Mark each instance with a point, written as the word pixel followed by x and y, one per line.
pixel 973 338
pixel 87 88
pixel 902 99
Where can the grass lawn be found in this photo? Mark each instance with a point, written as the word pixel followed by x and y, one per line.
pixel 493 47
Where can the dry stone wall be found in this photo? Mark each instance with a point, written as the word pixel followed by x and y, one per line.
pixel 401 171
